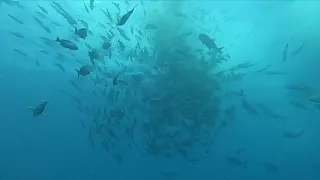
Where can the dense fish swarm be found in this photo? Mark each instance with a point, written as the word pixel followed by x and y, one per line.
pixel 154 77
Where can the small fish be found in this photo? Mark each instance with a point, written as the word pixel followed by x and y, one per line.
pixel 295 52
pixel 39 110
pixel 37 62
pixel 43 9
pixel 88 46
pixel 44 52
pixel 293 134
pixel 106 45
pixel 55 23
pixel 150 26
pixel 121 21
pixel 236 161
pixel 85 7
pixel 315 99
pixel 117 5
pixel 285 53
pixel 264 68
pixel 41 14
pixel 209 42
pixel 122 46
pixel 47 29
pixel 91 4
pixel 82 33
pixel 298 105
pixel 67 44
pixel 270 167
pixel 15 19
pixel 131 28
pixel 84 70
pixel 16 34
pixel 21 52
pixel 107 14
pixel 84 23
pixel 275 72
pixel 60 66
pixel 94 54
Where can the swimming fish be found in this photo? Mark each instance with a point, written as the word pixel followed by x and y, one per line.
pixel 82 33
pixel 209 42
pixel 67 44
pixel 121 21
pixel 39 110
pixel 84 70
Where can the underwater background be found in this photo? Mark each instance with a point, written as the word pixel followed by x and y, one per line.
pixel 223 90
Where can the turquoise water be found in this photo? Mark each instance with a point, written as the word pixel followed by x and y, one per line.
pixel 178 110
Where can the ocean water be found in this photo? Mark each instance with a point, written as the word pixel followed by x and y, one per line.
pixel 167 106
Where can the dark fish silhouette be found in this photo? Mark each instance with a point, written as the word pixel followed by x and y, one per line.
pixel 43 9
pixel 285 53
pixel 84 70
pixel 209 42
pixel 67 44
pixel 125 17
pixel 82 33
pixel 39 110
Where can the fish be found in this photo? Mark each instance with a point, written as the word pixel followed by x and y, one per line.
pixel 39 110
pixel 85 7
pixel 150 26
pixel 236 161
pixel 15 19
pixel 94 54
pixel 91 4
pixel 285 53
pixel 293 134
pixel 41 14
pixel 21 52
pixel 315 99
pixel 106 45
pixel 82 33
pixel 121 21
pixel 298 105
pixel 107 14
pixel 248 107
pixel 55 23
pixel 264 68
pixel 67 44
pixel 209 42
pixel 295 52
pixel 84 70
pixel 16 34
pixel 43 9
pixel 121 45
pixel 60 66
pixel 84 23
pixel 270 167
pixel 117 5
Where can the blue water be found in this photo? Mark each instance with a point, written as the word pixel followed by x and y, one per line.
pixel 55 146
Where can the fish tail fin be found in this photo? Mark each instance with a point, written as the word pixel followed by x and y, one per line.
pixel 58 39
pixel 78 72
pixel 75 31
